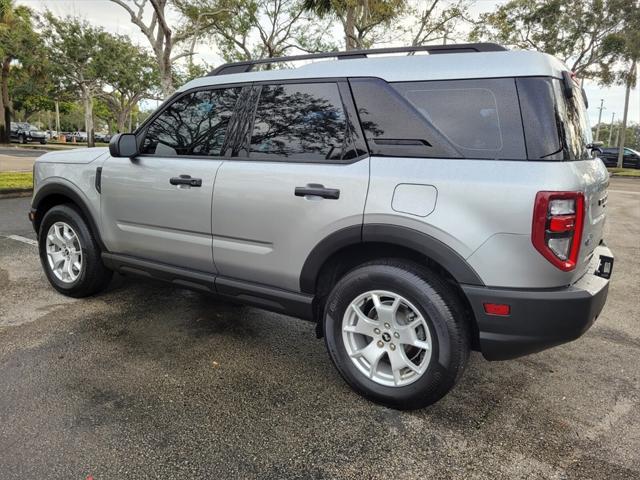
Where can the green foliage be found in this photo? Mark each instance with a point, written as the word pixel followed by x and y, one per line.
pixel 250 29
pixel 632 136
pixel 588 35
pixel 365 22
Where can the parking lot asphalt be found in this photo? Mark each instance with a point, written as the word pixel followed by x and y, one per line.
pixel 150 381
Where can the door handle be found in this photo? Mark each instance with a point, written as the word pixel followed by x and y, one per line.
pixel 317 190
pixel 186 180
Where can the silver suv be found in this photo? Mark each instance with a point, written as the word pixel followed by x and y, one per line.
pixel 415 207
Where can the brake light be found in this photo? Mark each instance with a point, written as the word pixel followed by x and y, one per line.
pixel 558 219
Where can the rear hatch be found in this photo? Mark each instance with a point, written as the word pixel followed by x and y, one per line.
pixel 567 140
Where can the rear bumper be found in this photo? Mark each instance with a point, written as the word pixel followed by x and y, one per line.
pixel 539 319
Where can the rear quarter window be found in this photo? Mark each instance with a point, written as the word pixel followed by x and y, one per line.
pixel 481 118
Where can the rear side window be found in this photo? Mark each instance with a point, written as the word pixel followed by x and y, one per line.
pixel 194 124
pixel 481 118
pixel 303 122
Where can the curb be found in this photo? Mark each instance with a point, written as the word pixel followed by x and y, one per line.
pixel 16 193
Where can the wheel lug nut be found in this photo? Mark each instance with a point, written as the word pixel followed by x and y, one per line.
pixel 376 331
pixel 396 334
pixel 380 343
pixel 392 346
pixel 386 325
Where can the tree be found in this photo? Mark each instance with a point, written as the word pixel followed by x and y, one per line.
pixel 253 29
pixel 18 43
pixel 631 57
pixel 78 48
pixel 129 74
pixel 364 22
pixel 586 35
pixel 433 20
pixel 160 35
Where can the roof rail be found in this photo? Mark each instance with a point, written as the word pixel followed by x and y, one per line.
pixel 247 66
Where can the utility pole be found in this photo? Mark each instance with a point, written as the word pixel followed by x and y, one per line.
pixel 611 129
pixel 599 119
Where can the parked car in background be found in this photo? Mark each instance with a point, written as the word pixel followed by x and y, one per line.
pixel 25 133
pixel 51 134
pixel 631 158
pixel 102 137
pixel 78 136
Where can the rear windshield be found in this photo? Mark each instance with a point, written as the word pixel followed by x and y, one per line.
pixel 556 127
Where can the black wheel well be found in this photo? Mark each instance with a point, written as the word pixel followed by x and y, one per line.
pixel 47 203
pixel 351 256
pixel 53 199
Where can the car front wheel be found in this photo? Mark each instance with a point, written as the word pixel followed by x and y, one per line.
pixel 397 333
pixel 69 253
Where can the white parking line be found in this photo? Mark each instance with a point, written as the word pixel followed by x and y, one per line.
pixel 625 191
pixel 26 240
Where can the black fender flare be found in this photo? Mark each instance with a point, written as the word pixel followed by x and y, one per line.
pixel 397 235
pixel 62 189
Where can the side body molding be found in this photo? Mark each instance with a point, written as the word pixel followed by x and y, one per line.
pixel 397 235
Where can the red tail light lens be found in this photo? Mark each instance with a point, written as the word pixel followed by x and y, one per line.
pixel 558 219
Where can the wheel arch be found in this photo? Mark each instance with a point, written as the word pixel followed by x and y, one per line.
pixel 412 243
pixel 54 194
pixel 345 249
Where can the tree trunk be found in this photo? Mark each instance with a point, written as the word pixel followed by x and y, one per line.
pixel 623 126
pixel 57 116
pixel 5 105
pixel 350 29
pixel 87 100
pixel 166 78
pixel 121 118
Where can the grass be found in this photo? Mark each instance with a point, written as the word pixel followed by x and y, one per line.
pixel 15 181
pixel 625 172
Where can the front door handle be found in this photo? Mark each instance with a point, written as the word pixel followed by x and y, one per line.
pixel 317 190
pixel 186 180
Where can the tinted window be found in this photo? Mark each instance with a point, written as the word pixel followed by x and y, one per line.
pixel 392 126
pixel 194 124
pixel 480 118
pixel 302 122
pixel 572 123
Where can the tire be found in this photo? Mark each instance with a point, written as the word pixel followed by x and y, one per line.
pixel 43 142
pixel 442 325
pixel 92 276
pixel 22 139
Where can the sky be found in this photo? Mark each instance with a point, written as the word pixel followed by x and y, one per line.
pixel 115 19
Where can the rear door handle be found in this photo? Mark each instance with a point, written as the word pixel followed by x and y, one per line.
pixel 186 180
pixel 317 190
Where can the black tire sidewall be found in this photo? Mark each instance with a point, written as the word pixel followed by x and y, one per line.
pixel 442 371
pixel 90 253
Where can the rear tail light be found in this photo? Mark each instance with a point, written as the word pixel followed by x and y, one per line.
pixel 558 219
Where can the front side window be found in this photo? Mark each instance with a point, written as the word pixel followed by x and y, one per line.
pixel 304 122
pixel 194 124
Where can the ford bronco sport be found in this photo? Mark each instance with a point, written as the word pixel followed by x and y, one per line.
pixel 415 207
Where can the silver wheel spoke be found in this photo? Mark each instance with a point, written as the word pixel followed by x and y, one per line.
pixel 56 258
pixel 364 326
pixel 372 353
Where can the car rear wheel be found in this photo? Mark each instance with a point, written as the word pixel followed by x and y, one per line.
pixel 69 253
pixel 396 333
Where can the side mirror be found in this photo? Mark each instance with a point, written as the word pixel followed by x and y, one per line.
pixel 123 145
